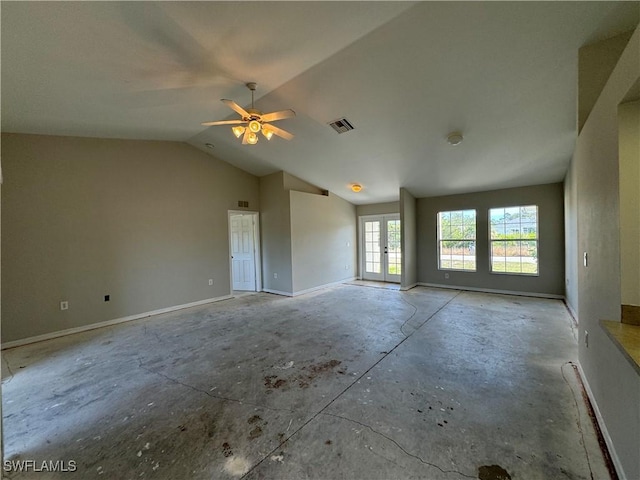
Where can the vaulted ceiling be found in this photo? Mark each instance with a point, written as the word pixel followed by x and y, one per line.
pixel 405 74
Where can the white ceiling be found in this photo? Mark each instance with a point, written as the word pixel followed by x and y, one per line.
pixel 404 73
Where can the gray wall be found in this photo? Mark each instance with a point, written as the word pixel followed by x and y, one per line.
pixel 548 198
pixel 378 209
pixel 144 222
pixel 615 385
pixel 275 226
pixel 408 225
pixel 323 240
pixel 629 148
pixel 304 235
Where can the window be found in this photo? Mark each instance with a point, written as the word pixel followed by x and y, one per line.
pixel 514 240
pixel 457 240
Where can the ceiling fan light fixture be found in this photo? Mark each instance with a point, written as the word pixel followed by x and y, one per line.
pixel 267 133
pixel 254 126
pixel 356 187
pixel 238 130
pixel 253 121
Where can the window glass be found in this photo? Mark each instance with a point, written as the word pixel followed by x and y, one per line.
pixel 514 240
pixel 457 240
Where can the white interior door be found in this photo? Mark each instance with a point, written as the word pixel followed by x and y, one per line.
pixel 381 248
pixel 243 267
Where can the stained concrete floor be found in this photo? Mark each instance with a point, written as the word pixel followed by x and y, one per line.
pixel 349 382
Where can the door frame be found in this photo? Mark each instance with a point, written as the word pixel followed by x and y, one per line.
pixel 256 247
pixel 361 248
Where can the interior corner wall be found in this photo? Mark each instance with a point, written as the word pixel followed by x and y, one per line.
pixel 595 64
pixel 323 240
pixel 614 383
pixel 144 222
pixel 548 198
pixel 629 161
pixel 275 235
pixel 409 240
pixel 571 240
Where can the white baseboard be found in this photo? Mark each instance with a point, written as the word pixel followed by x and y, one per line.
pixel 602 425
pixel 308 290
pixel 277 292
pixel 408 287
pixel 107 323
pixel 572 312
pixel 492 290
pixel 326 285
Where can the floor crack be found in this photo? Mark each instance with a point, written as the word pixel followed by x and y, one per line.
pixel 415 311
pixel 7 381
pixel 430 316
pixel 420 459
pixel 356 380
pixel 209 394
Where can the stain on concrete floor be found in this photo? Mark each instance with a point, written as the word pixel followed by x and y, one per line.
pixel 202 390
pixel 493 472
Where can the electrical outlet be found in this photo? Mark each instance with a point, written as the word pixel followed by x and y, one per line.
pixel 64 305
pixel 275 275
pixel 107 298
pixel 211 281
pixel 586 339
pixel 446 275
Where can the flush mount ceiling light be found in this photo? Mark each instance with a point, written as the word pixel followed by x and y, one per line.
pixel 253 121
pixel 356 187
pixel 454 138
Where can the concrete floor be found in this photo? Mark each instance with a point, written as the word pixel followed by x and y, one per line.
pixel 350 382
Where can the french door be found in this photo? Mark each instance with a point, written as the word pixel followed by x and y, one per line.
pixel 380 247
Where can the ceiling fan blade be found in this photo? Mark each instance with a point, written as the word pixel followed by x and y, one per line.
pixel 278 131
pixel 245 137
pixel 281 115
pixel 222 122
pixel 237 108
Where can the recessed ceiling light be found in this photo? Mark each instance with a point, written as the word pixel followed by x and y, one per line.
pixel 454 138
pixel 356 187
pixel 208 145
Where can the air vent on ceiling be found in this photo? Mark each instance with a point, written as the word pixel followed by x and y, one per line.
pixel 341 125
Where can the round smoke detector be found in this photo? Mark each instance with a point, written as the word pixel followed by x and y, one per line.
pixel 454 138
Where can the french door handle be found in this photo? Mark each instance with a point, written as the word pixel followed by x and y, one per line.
pixel 385 249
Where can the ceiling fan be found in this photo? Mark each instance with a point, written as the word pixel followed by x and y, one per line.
pixel 254 121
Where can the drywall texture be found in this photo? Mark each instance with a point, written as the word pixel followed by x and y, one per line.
pixel 323 240
pixel 548 198
pixel 409 239
pixel 615 386
pixel 275 231
pixel 291 182
pixel 595 64
pixel 142 221
pixel 378 209
pixel 571 241
pixel 629 161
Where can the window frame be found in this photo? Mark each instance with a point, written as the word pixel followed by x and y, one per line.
pixel 520 239
pixel 473 240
